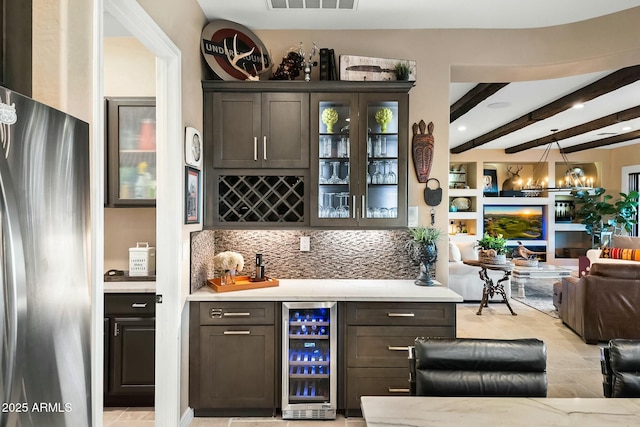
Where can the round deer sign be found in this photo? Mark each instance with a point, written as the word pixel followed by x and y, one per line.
pixel 233 52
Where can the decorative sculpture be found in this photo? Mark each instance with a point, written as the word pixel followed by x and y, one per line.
pixel 422 146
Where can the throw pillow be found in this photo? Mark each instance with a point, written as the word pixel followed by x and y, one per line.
pixel 625 242
pixel 454 253
pixel 468 250
pixel 621 253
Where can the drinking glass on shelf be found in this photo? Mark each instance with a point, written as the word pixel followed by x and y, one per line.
pixel 324 172
pixel 346 178
pixel 384 213
pixel 377 176
pixel 389 176
pixel 369 145
pixel 326 147
pixel 335 178
pixel 393 212
pixel 368 175
pixel 377 147
pixel 342 148
pixel 383 146
pixel 329 211
pixel 343 209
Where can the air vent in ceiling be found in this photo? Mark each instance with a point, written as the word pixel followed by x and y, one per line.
pixel 312 4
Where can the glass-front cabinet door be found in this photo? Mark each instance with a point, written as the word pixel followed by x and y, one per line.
pixel 359 148
pixel 131 152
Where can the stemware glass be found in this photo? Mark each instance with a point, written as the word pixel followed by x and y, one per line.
pixel 377 176
pixel 343 209
pixel 329 211
pixel 335 178
pixel 346 178
pixel 368 174
pixel 389 176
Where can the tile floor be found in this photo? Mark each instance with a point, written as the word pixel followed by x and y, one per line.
pixel 573 367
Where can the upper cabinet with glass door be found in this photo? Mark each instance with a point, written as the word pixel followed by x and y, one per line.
pixel 360 141
pixel 131 152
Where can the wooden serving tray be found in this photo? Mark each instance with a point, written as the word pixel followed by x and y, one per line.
pixel 242 283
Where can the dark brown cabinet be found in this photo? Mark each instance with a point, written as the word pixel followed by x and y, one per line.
pixel 131 152
pixel 376 340
pixel 233 358
pixel 258 130
pixel 129 349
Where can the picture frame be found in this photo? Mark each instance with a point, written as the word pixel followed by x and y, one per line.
pixel 193 147
pixel 490 183
pixel 192 195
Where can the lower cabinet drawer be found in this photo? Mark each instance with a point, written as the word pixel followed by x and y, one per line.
pixel 386 346
pixel 376 382
pixel 237 313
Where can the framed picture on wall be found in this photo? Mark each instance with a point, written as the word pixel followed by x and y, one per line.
pixel 489 183
pixel 192 196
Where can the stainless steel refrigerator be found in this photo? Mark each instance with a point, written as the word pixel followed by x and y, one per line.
pixel 45 298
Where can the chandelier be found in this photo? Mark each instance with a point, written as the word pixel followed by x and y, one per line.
pixel 574 177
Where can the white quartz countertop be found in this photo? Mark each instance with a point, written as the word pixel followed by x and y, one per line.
pixel 127 287
pixel 334 290
pixel 405 411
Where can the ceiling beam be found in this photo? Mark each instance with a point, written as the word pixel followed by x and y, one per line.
pixel 611 119
pixel 616 139
pixel 600 87
pixel 472 98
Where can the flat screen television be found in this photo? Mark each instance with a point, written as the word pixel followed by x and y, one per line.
pixel 515 222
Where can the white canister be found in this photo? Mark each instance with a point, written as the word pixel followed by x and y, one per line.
pixel 142 260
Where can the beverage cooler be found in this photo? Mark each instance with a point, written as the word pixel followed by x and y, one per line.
pixel 309 384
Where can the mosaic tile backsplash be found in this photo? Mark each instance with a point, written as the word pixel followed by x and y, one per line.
pixel 335 254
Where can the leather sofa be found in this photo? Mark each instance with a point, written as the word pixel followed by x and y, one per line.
pixel 620 363
pixel 478 367
pixel 604 304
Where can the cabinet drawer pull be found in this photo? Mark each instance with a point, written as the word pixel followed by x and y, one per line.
pixel 255 148
pixel 397 348
pixel 398 390
pixel 401 315
pixel 139 305
pixel 237 332
pixel 264 147
pixel 243 314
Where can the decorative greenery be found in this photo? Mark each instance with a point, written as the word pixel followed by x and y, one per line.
pixel 497 243
pixel 422 234
pixel 403 69
pixel 598 213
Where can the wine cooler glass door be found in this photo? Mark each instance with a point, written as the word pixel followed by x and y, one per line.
pixel 309 367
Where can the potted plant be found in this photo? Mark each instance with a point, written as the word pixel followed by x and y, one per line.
pixel 422 250
pixel 402 69
pixel 493 249
pixel 599 213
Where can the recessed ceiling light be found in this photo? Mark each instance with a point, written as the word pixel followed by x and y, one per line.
pixel 462 128
pixel 499 105
pixel 626 128
pixel 578 106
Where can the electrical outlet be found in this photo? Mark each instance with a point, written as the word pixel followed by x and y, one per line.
pixel 305 243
